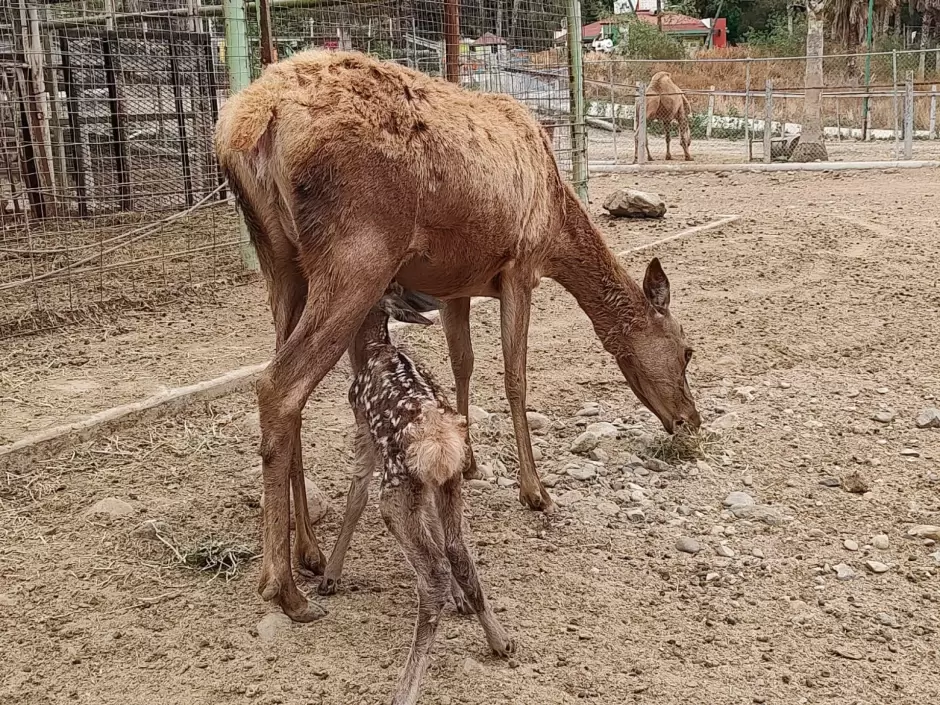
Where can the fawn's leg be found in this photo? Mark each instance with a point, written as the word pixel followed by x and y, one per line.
pixel 356 500
pixel 410 516
pixel 455 319
pixel 515 302
pixel 346 276
pixel 450 509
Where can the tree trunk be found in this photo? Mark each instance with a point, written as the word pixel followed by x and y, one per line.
pixel 811 147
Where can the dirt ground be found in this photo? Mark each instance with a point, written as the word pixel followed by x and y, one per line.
pixel 809 316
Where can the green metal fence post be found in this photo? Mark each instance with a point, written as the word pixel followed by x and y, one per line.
pixel 865 103
pixel 579 167
pixel 239 76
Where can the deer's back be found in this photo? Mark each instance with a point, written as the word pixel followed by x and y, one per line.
pixel 344 130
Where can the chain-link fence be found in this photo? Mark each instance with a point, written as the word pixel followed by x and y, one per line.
pixel 753 109
pixel 109 191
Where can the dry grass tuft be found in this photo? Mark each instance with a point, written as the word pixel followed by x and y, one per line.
pixel 223 558
pixel 686 447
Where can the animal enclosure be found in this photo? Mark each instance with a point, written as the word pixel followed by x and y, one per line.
pixel 739 104
pixel 110 197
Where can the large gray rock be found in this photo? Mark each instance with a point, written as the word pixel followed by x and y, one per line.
pixel 629 203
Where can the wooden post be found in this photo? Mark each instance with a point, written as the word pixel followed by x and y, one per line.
pixel 711 112
pixel 909 116
pixel 268 50
pixel 839 119
pixel 640 124
pixel 179 107
pixel 452 41
pixel 768 119
pixel 932 129
pixel 747 109
pixel 78 162
pixel 38 109
pixel 116 112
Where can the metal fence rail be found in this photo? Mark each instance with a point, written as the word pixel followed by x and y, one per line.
pixel 109 190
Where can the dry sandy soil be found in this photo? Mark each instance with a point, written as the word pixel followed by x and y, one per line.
pixel 823 300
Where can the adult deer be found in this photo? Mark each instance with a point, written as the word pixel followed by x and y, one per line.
pixel 352 173
pixel 666 102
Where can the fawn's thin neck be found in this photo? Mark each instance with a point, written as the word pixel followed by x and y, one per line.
pixel 590 272
pixel 374 329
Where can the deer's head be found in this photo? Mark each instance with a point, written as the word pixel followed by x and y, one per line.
pixel 655 356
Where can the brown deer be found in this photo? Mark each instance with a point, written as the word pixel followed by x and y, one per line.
pixel 352 173
pixel 666 102
pixel 408 431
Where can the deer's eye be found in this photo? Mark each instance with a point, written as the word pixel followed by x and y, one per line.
pixel 688 355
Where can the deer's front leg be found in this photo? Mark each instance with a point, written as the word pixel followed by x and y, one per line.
pixel 455 319
pixel 515 302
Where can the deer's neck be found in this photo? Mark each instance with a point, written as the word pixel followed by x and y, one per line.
pixel 586 267
pixel 373 332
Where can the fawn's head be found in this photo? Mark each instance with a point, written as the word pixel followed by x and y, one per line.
pixel 654 357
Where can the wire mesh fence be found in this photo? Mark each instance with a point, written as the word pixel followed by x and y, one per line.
pixel 744 110
pixel 109 190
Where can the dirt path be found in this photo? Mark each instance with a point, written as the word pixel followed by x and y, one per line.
pixel 823 302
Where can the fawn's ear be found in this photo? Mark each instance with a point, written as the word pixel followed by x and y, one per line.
pixel 399 309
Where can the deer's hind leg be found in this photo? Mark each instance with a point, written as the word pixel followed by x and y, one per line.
pixel 455 319
pixel 667 125
pixel 409 513
pixel 464 571
pixel 685 135
pixel 347 270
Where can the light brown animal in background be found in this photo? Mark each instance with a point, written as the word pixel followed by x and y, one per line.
pixel 666 102
pixel 352 173
pixel 409 432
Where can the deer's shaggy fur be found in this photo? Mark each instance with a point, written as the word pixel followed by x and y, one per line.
pixel 666 102
pixel 351 174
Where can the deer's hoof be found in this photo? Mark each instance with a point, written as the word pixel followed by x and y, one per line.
pixel 311 566
pixel 505 646
pixel 305 613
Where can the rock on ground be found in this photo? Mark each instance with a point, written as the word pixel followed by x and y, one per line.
pixel 584 443
pixel 110 506
pixel 687 545
pixel 856 483
pixel 925 531
pixel 630 203
pixel 928 418
pixel 477 414
pixel 537 421
pixel 582 472
pixel 603 429
pixel 568 498
pixel 271 625
pixel 760 512
pixel 738 498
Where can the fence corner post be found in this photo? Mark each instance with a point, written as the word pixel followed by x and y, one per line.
pixel 711 112
pixel 639 125
pixel 932 125
pixel 909 116
pixel 579 166
pixel 239 76
pixel 768 120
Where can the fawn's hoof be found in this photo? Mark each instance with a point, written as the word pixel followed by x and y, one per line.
pixel 327 586
pixel 539 501
pixel 311 565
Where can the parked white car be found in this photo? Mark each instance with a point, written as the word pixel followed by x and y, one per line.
pixel 605 45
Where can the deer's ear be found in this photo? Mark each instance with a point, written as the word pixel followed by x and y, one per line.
pixel 656 286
